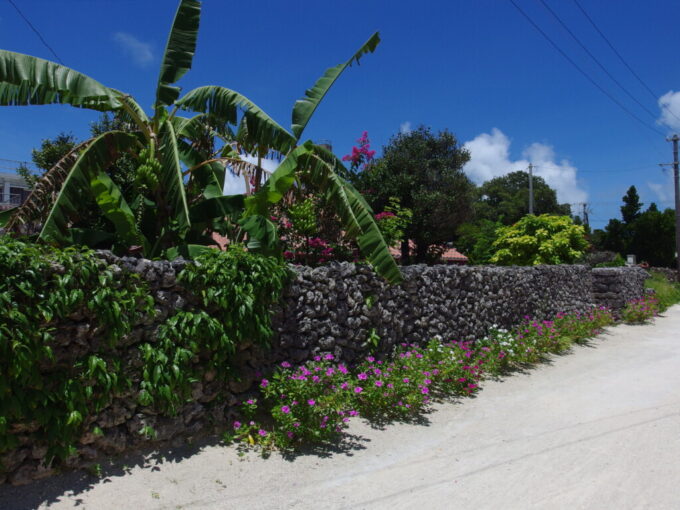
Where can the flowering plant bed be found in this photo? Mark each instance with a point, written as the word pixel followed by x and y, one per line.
pixel 314 402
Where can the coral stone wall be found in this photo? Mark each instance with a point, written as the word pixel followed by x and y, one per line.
pixel 339 308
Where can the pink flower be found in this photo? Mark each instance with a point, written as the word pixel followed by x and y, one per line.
pixel 354 413
pixel 358 389
pixel 285 409
pixel 328 357
pixel 378 383
pixel 264 383
pixel 424 390
pixel 362 376
pixel 296 424
pixel 311 402
pixel 237 424
pixel 406 380
pixel 262 432
pixel 344 386
pixel 285 364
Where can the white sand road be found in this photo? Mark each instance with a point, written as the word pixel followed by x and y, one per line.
pixel 596 429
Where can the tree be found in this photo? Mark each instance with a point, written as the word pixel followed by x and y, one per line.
pixel 476 240
pixel 544 239
pixel 166 216
pixel 424 171
pixel 50 152
pixel 505 199
pixel 653 237
pixel 630 210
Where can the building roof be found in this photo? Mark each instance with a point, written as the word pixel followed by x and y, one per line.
pixel 449 255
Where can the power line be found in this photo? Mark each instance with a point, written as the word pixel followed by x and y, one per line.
pixel 595 59
pixel 36 32
pixel 623 61
pixel 586 75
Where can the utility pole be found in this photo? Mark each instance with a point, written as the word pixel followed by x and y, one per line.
pixel 531 188
pixel 676 183
pixel 585 214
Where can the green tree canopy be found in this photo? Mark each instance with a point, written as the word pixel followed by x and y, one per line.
pixel 505 199
pixel 544 239
pixel 630 210
pixel 425 172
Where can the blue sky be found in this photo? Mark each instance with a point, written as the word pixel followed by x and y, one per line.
pixel 477 68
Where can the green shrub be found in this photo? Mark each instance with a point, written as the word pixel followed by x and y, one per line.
pixel 543 239
pixel 667 293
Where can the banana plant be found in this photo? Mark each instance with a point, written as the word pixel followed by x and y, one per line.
pixel 177 200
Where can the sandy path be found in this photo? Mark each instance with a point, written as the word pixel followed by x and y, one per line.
pixel 599 428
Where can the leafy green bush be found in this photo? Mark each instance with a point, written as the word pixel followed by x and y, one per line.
pixel 39 287
pixel 42 289
pixel 235 289
pixel 667 292
pixel 618 261
pixel 543 239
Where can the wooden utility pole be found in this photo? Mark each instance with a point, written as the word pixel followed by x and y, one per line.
pixel 531 189
pixel 676 186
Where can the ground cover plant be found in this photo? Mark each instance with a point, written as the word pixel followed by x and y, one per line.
pixel 639 311
pixel 315 401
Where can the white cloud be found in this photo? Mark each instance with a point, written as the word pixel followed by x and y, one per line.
pixel 405 127
pixel 139 51
pixel 663 191
pixel 490 157
pixel 669 104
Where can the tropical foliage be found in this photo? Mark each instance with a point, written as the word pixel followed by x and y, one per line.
pixel 543 239
pixel 177 200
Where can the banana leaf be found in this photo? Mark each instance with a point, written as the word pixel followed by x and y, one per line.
pixel 179 51
pixel 304 108
pixel 27 80
pixel 97 156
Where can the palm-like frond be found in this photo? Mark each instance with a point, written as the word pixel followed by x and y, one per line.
pixel 171 181
pixel 179 51
pixel 36 207
pixel 304 108
pixel 225 104
pixel 27 80
pixel 114 207
pixel 319 169
pixel 98 155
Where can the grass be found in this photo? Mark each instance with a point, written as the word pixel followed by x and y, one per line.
pixel 668 293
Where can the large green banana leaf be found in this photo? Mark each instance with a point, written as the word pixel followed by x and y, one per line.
pixel 27 80
pixel 179 51
pixel 171 180
pixel 304 108
pixel 319 168
pixel 114 207
pixel 224 104
pixel 97 156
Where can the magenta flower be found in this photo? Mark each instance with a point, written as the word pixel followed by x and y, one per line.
pixel 285 364
pixel 362 376
pixel 328 357
pixel 371 359
pixel 237 424
pixel 263 433
pixel 378 383
pixel 427 381
pixel 358 389
pixel 264 383
pixel 296 424
pixel 344 386
pixel 406 380
pixel 285 409
pixel 424 390
pixel 354 413
pixel 342 369
pixel 311 401
pixel 250 401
